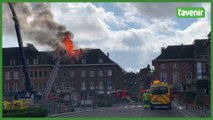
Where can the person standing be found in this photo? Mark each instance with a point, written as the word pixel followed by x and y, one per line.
pixel 146 98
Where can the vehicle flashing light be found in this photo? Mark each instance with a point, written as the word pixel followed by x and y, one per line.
pixel 156 81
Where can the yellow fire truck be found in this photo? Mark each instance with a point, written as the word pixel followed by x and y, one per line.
pixel 160 95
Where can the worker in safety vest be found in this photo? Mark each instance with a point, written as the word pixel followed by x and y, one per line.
pixel 146 99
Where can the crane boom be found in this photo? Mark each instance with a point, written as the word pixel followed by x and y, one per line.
pixel 28 86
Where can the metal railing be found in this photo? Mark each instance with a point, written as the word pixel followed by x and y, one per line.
pixel 201 111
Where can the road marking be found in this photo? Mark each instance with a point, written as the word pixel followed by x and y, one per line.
pixel 132 106
pixel 139 106
pixel 126 107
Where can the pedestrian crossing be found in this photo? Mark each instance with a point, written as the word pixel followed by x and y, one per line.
pixel 128 107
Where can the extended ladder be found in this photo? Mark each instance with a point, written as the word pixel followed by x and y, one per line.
pixel 51 80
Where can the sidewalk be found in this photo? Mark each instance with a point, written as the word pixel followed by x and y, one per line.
pixel 77 110
pixel 192 111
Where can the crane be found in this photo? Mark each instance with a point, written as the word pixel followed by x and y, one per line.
pixel 28 86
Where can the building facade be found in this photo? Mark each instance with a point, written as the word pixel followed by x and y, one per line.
pixel 179 65
pixel 92 71
pixel 135 82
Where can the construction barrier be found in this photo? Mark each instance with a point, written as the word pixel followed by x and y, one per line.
pixel 15 105
pixel 6 105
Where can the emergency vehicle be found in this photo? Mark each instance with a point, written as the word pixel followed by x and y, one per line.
pixel 160 94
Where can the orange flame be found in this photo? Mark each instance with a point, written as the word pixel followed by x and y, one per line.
pixel 70 47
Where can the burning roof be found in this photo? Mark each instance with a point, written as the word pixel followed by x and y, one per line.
pixel 69 45
pixel 91 56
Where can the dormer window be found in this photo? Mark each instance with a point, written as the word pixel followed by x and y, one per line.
pixel 35 61
pixel 83 61
pixel 12 62
pixel 100 60
pixel 27 61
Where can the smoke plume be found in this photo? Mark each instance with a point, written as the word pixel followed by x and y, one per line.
pixel 36 23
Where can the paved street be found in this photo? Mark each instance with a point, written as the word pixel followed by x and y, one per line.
pixel 129 110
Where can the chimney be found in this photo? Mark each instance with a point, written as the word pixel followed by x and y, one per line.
pixel 107 54
pixel 148 66
pixel 162 49
pixel 181 47
pixel 31 46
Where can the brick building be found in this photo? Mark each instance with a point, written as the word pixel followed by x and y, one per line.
pixel 39 66
pixel 137 81
pixel 207 45
pixel 181 64
pixel 92 72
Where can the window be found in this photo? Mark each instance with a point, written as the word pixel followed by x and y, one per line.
pixel 92 73
pixel 15 86
pixel 40 74
pixel 45 73
pixel 83 73
pixel 40 86
pixel 175 66
pixel 72 73
pixel 159 90
pixel 64 87
pixel 27 61
pixel 92 86
pixel 35 74
pixel 12 62
pixel 83 61
pixel 163 76
pixel 100 85
pixel 204 68
pixel 64 73
pixel 175 77
pixel 72 84
pixel 35 61
pixel 109 85
pixel 15 74
pixel 162 66
pixel 83 86
pixel 45 84
pixel 6 87
pixel 199 70
pixel 7 75
pixel 109 73
pixel 100 60
pixel 188 65
pixel 35 86
pixel 100 73
pixel 188 75
pixel 31 74
pixel 56 86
